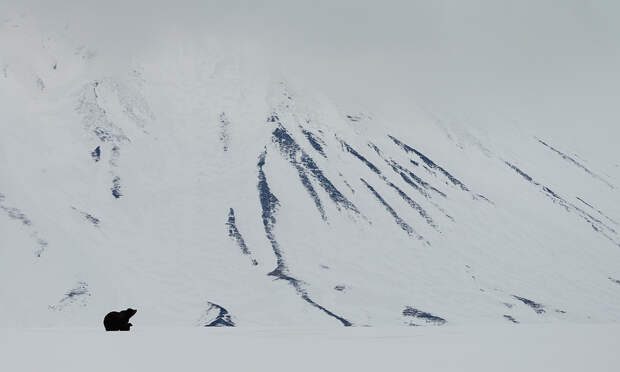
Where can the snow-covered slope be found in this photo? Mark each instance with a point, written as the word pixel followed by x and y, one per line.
pixel 193 183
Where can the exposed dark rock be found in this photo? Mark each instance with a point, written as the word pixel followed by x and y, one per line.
pixel 538 308
pixel 413 204
pixel 354 118
pixel 16 214
pixel 426 317
pixel 353 152
pixel 511 319
pixel 599 211
pixel 224 131
pixel 269 205
pixel 399 221
pixel 88 217
pixel 96 154
pixel 79 294
pixel 429 163
pixel 315 142
pixel 217 316
pixel 116 187
pixel 598 225
pixel 305 167
pixel 273 118
pixel 235 234
pixel 576 163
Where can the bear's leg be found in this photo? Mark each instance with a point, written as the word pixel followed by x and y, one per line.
pixel 125 327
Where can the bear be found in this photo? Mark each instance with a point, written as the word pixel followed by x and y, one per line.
pixel 119 320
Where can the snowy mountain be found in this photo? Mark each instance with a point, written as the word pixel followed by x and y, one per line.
pixel 199 184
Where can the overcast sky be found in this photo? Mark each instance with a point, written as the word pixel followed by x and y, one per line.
pixel 557 56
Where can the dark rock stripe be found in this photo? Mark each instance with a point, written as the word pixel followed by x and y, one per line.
pixel 596 223
pixel 224 135
pixel 269 205
pixel 576 163
pixel 88 217
pixel 235 234
pixel 511 319
pixel 79 294
pixel 334 194
pixel 315 142
pixel 413 204
pixel 400 170
pixel 96 154
pixel 427 317
pixel 222 319
pixel 354 118
pixel 116 187
pixel 429 163
pixel 352 151
pixel 305 181
pixel 349 186
pixel 522 173
pixel 401 193
pixel 80 290
pixel 538 308
pixel 16 214
pixel 399 221
pixel 599 211
pixel 289 148
pixel 342 320
pixel 305 165
pixel 408 176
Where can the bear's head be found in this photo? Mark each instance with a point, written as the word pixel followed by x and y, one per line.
pixel 129 313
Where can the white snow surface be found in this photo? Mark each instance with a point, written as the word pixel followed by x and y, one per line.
pixel 546 347
pixel 119 167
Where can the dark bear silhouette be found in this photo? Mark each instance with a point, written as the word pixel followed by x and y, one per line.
pixel 119 320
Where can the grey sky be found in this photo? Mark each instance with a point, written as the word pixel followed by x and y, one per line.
pixel 549 55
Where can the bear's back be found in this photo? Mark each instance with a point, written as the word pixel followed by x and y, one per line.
pixel 112 321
